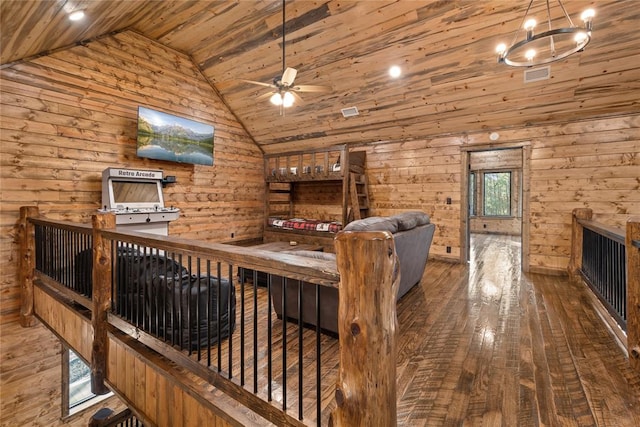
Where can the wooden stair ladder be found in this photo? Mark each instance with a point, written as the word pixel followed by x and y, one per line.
pixel 358 196
pixel 279 200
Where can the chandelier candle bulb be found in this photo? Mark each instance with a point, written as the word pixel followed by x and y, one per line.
pixel 580 38
pixel 528 27
pixel 531 53
pixel 587 17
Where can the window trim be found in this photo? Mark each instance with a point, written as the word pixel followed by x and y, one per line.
pixel 67 411
pixel 479 192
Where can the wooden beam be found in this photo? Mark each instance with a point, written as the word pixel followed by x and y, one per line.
pixel 575 262
pixel 26 232
pixel 633 292
pixel 101 299
pixel 367 325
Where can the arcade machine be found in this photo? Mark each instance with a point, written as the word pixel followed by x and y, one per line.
pixel 135 196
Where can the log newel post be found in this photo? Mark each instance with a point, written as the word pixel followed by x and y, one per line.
pixel 575 261
pixel 26 233
pixel 633 292
pixel 367 324
pixel 101 297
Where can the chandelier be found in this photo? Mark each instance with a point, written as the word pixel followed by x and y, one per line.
pixel 548 46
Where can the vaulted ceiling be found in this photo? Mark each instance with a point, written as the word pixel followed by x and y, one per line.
pixel 451 82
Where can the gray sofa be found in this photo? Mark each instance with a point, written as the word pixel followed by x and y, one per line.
pixel 412 233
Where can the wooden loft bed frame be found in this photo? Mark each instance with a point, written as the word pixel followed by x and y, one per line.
pixel 288 173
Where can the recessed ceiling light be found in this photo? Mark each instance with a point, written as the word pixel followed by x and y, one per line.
pixel 76 16
pixel 395 71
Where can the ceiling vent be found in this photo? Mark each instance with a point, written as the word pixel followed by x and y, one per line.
pixel 350 112
pixel 536 74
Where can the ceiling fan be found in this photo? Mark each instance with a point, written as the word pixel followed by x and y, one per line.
pixel 283 89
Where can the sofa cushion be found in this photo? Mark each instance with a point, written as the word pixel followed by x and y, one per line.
pixel 411 219
pixel 374 223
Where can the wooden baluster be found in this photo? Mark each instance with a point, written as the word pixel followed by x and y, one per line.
pixel 101 299
pixel 367 324
pixel 26 232
pixel 633 292
pixel 575 261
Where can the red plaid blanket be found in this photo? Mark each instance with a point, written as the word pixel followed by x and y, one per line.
pixel 305 224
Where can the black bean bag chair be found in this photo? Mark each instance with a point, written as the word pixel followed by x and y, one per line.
pixel 161 297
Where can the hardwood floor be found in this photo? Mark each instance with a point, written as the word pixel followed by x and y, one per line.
pixel 479 345
pixel 490 345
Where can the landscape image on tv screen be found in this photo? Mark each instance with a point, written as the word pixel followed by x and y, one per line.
pixel 163 136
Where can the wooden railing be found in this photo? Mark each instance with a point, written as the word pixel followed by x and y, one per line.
pixel 608 260
pixel 264 352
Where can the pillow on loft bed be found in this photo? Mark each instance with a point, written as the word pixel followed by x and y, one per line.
pixel 305 224
pixel 335 167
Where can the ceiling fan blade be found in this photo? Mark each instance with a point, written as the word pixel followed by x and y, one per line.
pixel 264 95
pixel 311 88
pixel 259 83
pixel 297 97
pixel 289 76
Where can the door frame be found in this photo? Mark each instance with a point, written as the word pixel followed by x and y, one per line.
pixel 465 229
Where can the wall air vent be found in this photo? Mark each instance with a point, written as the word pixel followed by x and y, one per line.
pixel 350 112
pixel 537 74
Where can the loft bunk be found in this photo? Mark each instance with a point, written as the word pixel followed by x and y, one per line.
pixel 312 194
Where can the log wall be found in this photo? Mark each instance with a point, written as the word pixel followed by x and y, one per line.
pixel 65 118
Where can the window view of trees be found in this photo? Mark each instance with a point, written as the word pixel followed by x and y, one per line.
pixel 497 194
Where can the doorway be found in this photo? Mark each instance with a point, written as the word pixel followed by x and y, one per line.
pixel 495 195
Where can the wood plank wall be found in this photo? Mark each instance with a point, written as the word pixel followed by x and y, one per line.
pixel 65 118
pixel 589 163
pixel 318 200
pixel 171 399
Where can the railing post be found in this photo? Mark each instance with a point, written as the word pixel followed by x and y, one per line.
pixel 367 323
pixel 633 292
pixel 105 417
pixel 575 262
pixel 26 232
pixel 101 296
pixel 101 418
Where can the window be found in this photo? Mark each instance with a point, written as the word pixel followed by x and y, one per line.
pixel 497 194
pixel 76 384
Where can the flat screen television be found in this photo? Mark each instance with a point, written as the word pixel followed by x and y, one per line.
pixel 163 136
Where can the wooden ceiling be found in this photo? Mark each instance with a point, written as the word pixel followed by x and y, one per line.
pixel 451 82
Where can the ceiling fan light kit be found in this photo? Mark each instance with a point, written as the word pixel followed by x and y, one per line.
pixel 284 91
pixel 548 46
pixel 284 99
